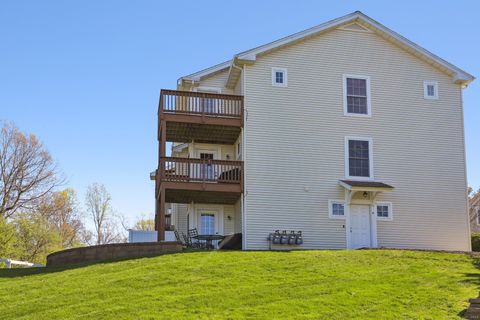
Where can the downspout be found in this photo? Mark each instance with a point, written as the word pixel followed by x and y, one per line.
pixel 244 158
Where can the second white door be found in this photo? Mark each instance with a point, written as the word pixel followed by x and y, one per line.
pixel 360 226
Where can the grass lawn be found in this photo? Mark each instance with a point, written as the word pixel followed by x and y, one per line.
pixel 363 284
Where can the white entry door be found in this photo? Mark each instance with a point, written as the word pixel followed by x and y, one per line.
pixel 360 226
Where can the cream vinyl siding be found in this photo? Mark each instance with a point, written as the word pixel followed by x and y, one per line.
pixel 228 225
pixel 180 211
pixel 295 140
pixel 217 80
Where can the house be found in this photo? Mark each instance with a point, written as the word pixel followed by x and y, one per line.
pixel 474 211
pixel 347 132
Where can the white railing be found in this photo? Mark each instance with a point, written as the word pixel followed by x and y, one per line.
pixel 10 262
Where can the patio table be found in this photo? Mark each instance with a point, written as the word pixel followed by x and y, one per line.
pixel 209 238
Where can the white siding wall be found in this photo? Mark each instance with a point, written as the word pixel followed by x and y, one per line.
pixel 295 144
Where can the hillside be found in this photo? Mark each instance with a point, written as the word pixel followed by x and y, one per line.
pixel 234 285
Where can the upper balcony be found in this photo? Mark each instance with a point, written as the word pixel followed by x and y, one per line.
pixel 201 117
pixel 200 180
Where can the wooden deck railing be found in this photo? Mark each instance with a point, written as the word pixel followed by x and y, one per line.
pixel 199 103
pixel 200 170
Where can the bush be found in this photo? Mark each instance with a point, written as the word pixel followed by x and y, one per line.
pixel 475 241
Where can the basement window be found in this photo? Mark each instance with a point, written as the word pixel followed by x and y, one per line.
pixel 384 210
pixel 336 209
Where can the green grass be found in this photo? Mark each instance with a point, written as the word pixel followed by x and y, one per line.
pixel 364 284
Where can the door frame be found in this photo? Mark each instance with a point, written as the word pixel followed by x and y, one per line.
pixel 215 209
pixel 373 222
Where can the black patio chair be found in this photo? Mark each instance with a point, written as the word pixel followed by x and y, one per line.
pixel 192 233
pixel 177 237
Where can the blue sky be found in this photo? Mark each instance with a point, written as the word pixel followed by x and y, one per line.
pixel 84 76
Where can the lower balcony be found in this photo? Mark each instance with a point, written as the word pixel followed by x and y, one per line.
pixel 186 180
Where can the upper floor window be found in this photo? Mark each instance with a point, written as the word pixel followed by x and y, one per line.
pixel 430 89
pixel 356 95
pixel 358 158
pixel 279 77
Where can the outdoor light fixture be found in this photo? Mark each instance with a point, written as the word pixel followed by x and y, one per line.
pixel 365 194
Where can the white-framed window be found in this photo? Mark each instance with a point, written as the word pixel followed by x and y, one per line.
pixel 279 77
pixel 356 96
pixel 358 158
pixel 430 90
pixel 336 209
pixel 478 216
pixel 384 210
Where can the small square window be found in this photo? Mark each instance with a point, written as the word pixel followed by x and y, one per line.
pixel 384 211
pixel 430 90
pixel 279 77
pixel 336 209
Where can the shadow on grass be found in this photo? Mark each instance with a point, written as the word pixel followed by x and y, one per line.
pixel 23 272
pixel 472 278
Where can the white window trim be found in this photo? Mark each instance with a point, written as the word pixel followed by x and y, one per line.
pixel 477 209
pixel 330 209
pixel 370 154
pixel 425 90
pixel 345 103
pixel 285 77
pixel 207 89
pixel 390 210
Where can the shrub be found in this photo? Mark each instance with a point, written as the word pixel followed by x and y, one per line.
pixel 475 241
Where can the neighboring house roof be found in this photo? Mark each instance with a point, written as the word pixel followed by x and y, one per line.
pixel 357 17
pixel 475 200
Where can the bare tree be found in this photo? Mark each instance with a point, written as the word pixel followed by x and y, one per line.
pixel 144 224
pixel 61 212
pixel 27 171
pixel 98 204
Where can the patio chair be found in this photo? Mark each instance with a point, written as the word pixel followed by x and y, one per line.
pixel 192 233
pixel 177 237
pixel 187 241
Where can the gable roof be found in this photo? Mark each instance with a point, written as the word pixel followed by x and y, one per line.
pixel 250 56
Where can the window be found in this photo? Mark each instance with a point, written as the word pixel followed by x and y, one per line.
pixel 279 77
pixel 358 158
pixel 478 216
pixel 430 90
pixel 336 209
pixel 384 210
pixel 356 92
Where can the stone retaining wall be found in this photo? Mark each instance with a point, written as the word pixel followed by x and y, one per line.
pixel 112 251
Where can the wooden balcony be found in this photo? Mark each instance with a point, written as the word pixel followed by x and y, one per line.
pixel 202 117
pixel 202 181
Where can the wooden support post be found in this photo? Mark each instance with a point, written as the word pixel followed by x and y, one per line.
pixel 161 216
